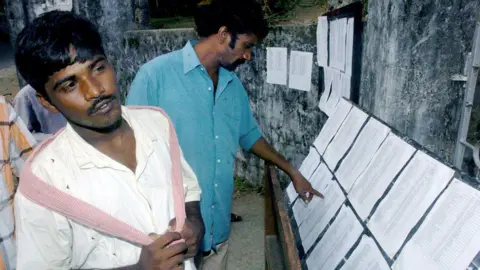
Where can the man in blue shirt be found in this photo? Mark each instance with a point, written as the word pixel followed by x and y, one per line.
pixel 210 110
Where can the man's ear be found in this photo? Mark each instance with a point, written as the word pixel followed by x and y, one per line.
pixel 46 104
pixel 223 35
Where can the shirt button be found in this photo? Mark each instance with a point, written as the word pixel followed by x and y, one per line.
pixel 218 161
pixel 216 185
pixel 216 137
pixel 209 88
pixel 202 69
pixel 213 206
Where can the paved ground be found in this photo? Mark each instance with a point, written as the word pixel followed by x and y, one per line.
pixel 246 243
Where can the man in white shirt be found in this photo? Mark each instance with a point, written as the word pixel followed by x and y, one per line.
pixel 114 158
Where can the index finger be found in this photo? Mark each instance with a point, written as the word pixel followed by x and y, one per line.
pixel 165 239
pixel 317 193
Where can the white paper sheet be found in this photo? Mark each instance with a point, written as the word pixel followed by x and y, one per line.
pixel 320 181
pixel 415 190
pixel 309 164
pixel 357 159
pixel 336 242
pixel 322 41
pixel 366 256
pixel 338 43
pixel 345 136
pixel 301 70
pixel 332 52
pixel 349 46
pixel 449 238
pixel 277 66
pixel 327 83
pixel 346 86
pixel 332 125
pixel 336 92
pixel 390 158
pixel 321 211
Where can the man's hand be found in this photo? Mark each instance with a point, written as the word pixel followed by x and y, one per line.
pixel 192 235
pixel 159 255
pixel 304 188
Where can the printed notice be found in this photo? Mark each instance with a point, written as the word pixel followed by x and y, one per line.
pixel 338 34
pixel 321 212
pixel 320 181
pixel 309 164
pixel 336 93
pixel 327 81
pixel 349 46
pixel 301 70
pixel 332 125
pixel 415 190
pixel 449 238
pixel 336 242
pixel 277 66
pixel 357 159
pixel 366 256
pixel 390 158
pixel 345 136
pixel 322 41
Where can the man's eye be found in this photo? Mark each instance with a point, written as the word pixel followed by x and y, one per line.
pixel 99 68
pixel 69 86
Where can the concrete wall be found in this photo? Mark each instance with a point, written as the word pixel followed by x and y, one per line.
pixel 411 50
pixel 289 118
pixel 112 17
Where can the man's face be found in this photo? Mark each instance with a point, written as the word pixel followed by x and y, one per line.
pixel 230 58
pixel 86 94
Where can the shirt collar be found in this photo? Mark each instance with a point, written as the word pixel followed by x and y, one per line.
pixel 88 157
pixel 190 58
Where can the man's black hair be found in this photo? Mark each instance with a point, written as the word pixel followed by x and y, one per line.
pixel 44 46
pixel 239 16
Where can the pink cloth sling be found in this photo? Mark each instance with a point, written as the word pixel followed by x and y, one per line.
pixel 45 195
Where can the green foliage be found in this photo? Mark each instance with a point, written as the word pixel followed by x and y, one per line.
pixel 242 187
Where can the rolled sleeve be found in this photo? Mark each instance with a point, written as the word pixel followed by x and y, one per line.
pixel 190 183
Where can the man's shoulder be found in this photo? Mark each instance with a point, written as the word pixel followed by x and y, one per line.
pixel 54 152
pixel 149 116
pixel 164 61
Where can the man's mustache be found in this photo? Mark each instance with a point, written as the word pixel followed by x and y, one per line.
pixel 99 99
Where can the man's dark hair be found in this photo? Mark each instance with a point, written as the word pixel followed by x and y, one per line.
pixel 239 16
pixel 44 46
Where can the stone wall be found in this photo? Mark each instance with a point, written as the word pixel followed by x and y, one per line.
pixel 112 17
pixel 411 50
pixel 290 119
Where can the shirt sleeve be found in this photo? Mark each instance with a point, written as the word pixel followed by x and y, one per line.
pixel 21 141
pixel 142 92
pixel 190 182
pixel 249 130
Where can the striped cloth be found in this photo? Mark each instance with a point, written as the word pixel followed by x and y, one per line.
pixel 16 143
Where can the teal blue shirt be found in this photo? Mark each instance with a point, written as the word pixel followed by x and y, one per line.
pixel 209 129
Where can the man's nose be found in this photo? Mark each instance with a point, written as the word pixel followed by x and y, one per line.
pixel 248 55
pixel 92 88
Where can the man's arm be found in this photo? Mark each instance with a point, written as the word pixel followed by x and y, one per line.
pixel 265 151
pixel 251 139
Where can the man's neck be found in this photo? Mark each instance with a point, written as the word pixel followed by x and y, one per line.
pixel 98 137
pixel 207 56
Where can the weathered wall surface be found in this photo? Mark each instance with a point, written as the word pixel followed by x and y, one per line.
pixel 289 118
pixel 112 17
pixel 411 50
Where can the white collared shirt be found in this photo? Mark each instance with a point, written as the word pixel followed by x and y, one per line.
pixel 47 240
